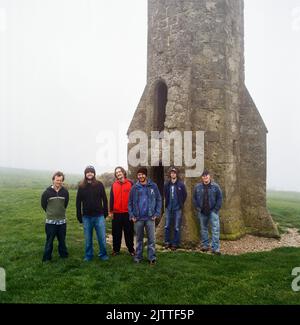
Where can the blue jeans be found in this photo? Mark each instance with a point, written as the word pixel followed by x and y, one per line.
pixel 53 231
pixel 213 220
pixel 98 223
pixel 139 231
pixel 175 218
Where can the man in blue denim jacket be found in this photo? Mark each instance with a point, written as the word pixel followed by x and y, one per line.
pixel 207 199
pixel 144 206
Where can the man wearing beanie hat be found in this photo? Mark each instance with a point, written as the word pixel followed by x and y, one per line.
pixel 207 199
pixel 142 170
pixel 89 169
pixel 175 196
pixel 144 206
pixel 91 205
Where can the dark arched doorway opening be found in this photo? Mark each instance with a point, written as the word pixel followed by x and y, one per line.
pixel 160 103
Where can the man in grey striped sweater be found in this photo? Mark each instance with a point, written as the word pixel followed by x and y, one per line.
pixel 54 201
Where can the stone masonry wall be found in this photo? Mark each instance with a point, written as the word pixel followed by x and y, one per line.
pixel 196 47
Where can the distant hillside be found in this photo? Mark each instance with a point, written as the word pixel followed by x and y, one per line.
pixel 289 196
pixel 13 177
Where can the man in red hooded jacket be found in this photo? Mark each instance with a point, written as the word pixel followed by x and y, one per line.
pixel 119 195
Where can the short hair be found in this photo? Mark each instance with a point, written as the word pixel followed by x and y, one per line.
pixel 173 169
pixel 142 170
pixel 58 174
pixel 122 170
pixel 205 172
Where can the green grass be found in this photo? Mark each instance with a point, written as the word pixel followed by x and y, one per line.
pixel 178 277
pixel 285 209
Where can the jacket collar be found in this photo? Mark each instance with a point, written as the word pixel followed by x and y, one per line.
pixel 171 183
pixel 149 183
pixel 125 181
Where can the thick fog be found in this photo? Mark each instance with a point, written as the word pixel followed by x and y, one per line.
pixel 72 73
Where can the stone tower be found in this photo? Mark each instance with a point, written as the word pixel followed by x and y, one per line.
pixel 196 82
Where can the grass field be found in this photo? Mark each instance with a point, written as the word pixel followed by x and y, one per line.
pixel 285 209
pixel 178 278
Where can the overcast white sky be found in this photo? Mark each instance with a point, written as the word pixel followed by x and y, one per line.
pixel 71 69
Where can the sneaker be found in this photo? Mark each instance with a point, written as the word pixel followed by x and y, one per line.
pixel 153 262
pixel 104 258
pixel 87 259
pixel 173 248
pixel 216 253
pixel 132 253
pixel 136 260
pixel 204 249
pixel 46 260
pixel 115 253
pixel 167 246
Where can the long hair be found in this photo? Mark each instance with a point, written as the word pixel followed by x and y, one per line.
pixel 122 170
pixel 84 182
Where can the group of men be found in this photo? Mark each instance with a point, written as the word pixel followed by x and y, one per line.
pixel 133 208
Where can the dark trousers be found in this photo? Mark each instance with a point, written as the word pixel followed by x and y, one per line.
pixel 53 231
pixel 121 223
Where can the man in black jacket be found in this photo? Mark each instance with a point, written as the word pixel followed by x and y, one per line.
pixel 54 201
pixel 91 205
pixel 175 196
